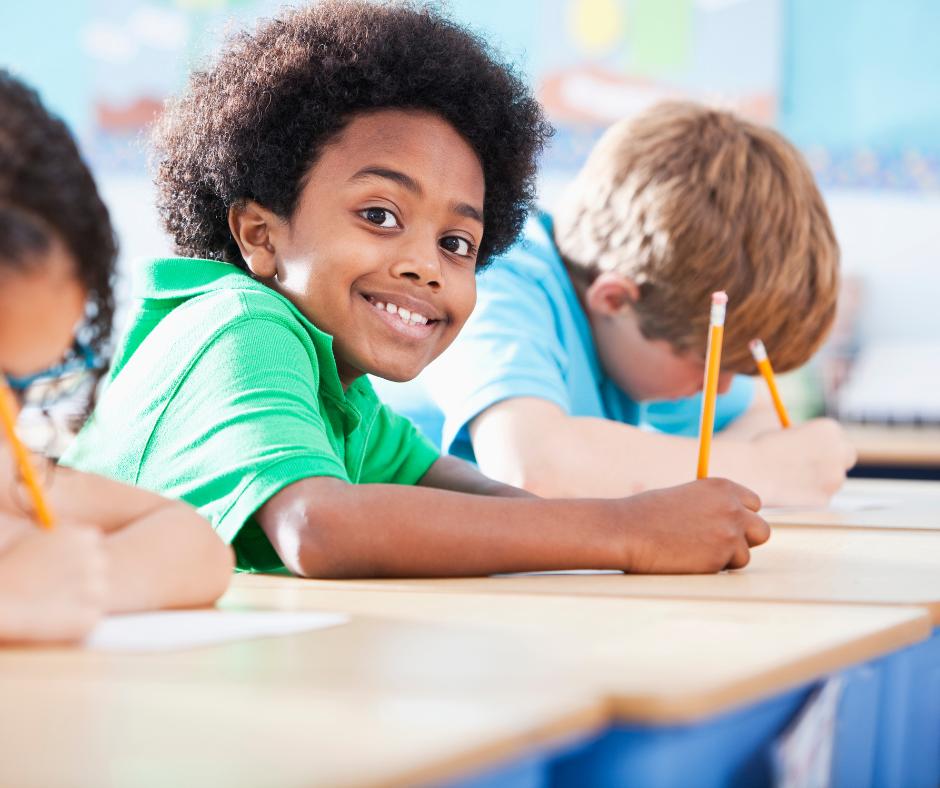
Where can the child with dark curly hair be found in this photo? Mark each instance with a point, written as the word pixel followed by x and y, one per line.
pixel 335 181
pixel 115 548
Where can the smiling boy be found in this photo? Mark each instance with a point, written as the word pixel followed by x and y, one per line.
pixel 336 180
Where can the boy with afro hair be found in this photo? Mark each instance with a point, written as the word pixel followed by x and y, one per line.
pixel 335 181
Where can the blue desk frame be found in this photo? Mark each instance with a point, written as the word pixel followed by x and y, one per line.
pixel 887 734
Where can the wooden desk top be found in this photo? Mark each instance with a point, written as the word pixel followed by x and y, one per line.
pixel 884 445
pixel 417 687
pixel 798 564
pixel 654 661
pixel 371 702
pixel 872 503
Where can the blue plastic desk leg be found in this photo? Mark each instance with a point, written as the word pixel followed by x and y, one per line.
pixel 730 750
pixel 734 749
pixel 856 738
pixel 909 727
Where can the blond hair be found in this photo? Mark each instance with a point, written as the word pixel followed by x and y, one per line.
pixel 686 200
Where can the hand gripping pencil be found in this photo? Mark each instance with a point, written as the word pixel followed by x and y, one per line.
pixel 763 365
pixel 710 387
pixel 41 509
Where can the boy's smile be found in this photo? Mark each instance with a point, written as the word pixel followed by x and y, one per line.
pixel 380 251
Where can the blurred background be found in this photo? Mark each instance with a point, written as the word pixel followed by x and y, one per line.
pixel 854 83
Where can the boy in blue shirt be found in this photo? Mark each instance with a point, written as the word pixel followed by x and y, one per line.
pixel 578 372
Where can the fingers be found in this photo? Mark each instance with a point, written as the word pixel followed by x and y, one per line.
pixel 740 557
pixel 747 497
pixel 756 530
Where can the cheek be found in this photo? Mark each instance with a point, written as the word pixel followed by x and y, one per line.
pixel 464 300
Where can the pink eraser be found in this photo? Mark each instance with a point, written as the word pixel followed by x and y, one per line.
pixel 721 297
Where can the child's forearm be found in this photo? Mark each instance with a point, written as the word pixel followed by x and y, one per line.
pixel 325 527
pixel 161 552
pixel 535 445
pixel 377 530
pixel 451 473
pixel 79 497
pixel 168 558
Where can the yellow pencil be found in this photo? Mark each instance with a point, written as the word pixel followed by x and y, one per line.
pixel 763 365
pixel 710 387
pixel 8 411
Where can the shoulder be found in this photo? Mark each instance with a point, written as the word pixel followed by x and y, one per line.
pixel 534 256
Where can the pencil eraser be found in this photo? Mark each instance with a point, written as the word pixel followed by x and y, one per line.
pixel 720 298
pixel 758 351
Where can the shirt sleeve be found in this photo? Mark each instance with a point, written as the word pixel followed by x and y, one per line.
pixel 507 349
pixel 681 416
pixel 396 452
pixel 241 425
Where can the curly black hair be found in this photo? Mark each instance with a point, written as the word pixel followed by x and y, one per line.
pixel 47 192
pixel 253 124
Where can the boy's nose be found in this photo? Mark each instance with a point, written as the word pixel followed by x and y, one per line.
pixel 419 266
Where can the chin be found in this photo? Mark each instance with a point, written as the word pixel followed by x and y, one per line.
pixel 396 373
pixel 396 376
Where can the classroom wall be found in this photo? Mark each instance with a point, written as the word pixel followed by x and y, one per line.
pixel 856 83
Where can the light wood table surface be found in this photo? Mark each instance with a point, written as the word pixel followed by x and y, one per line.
pixel 798 564
pixel 871 503
pixel 371 702
pixel 654 661
pixel 900 446
pixel 417 687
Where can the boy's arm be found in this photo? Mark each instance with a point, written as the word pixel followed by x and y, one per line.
pixel 161 553
pixel 326 527
pixel 759 417
pixel 452 473
pixel 534 444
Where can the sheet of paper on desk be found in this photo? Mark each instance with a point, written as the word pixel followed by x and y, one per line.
pixel 841 502
pixel 171 630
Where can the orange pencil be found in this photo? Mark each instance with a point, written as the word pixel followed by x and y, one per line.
pixel 710 387
pixel 763 365
pixel 8 410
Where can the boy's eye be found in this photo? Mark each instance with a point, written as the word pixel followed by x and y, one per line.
pixel 380 217
pixel 457 245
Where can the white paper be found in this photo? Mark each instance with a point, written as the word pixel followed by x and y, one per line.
pixel 842 502
pixel 171 630
pixel 803 752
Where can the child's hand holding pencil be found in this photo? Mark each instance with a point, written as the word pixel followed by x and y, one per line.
pixel 53 585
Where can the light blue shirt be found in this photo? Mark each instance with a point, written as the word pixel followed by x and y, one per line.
pixel 530 337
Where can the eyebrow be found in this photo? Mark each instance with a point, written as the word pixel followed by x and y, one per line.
pixel 409 183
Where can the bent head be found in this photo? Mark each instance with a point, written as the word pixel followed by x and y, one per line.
pixel 58 252
pixel 683 201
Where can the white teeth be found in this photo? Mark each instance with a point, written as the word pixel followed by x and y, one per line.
pixel 407 316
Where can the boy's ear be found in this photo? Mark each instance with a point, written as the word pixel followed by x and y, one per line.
pixel 610 292
pixel 253 227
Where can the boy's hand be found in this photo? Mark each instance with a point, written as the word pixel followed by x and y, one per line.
pixel 701 527
pixel 807 463
pixel 53 585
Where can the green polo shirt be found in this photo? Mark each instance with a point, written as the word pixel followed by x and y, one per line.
pixel 222 393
